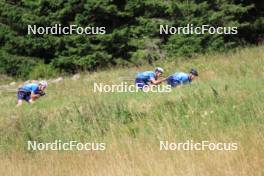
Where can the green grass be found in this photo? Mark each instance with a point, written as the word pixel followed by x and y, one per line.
pixel 224 104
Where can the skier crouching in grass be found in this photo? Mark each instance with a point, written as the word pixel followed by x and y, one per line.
pixel 31 92
pixel 145 79
pixel 181 78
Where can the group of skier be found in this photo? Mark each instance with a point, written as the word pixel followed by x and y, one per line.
pixel 32 91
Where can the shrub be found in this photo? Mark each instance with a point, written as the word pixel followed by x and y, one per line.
pixel 17 66
pixel 43 71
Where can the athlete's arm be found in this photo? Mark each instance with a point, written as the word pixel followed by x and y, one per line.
pixel 156 82
pixel 34 96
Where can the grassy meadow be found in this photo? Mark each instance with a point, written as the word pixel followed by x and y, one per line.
pixel 225 104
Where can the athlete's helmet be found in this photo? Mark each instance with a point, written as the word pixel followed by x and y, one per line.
pixel 159 69
pixel 43 83
pixel 194 72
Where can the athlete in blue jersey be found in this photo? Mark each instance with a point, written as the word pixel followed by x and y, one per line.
pixel 181 78
pixel 144 79
pixel 31 92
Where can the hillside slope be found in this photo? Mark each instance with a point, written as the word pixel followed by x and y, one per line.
pixel 224 105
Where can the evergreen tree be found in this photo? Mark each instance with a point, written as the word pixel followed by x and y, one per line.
pixel 132 31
